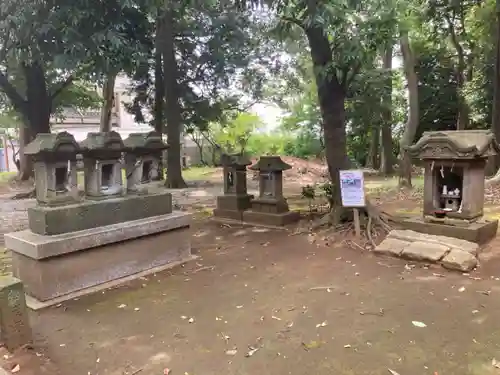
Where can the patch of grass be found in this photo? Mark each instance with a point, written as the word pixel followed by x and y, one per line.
pixel 197 173
pixel 6 176
pixel 390 182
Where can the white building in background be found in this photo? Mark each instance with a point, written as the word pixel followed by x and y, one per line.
pixel 79 123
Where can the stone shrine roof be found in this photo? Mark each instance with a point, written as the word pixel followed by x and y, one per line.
pixel 44 143
pixel 148 141
pixel 455 144
pixel 102 141
pixel 235 160
pixel 270 164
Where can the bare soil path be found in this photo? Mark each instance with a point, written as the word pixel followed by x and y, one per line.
pixel 253 289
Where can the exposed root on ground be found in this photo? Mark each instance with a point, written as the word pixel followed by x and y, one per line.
pixel 25 195
pixel 494 180
pixel 373 221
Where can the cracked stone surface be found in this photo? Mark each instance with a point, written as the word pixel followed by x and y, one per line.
pixel 420 250
pixel 391 246
pixel 459 260
pixel 453 243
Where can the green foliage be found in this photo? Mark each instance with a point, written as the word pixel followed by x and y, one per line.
pixel 233 135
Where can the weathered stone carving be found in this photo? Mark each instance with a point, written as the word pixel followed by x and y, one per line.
pixel 54 158
pixel 271 206
pixel 142 159
pixel 102 154
pixel 235 199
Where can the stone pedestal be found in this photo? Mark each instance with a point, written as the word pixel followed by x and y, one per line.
pixel 91 214
pixel 271 207
pixel 15 330
pixel 58 265
pixel 235 200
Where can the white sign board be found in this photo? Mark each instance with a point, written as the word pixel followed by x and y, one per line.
pixel 352 188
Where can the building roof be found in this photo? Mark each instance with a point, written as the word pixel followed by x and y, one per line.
pixel 455 144
pixel 102 140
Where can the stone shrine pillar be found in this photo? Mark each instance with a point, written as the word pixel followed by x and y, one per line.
pixel 54 158
pixel 235 199
pixel 271 207
pixel 142 159
pixel 102 153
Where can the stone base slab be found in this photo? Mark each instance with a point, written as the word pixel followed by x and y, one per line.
pixel 37 246
pixel 234 202
pixel 228 214
pixel 479 232
pixel 89 214
pixel 53 277
pixel 35 304
pixel 453 253
pixel 277 219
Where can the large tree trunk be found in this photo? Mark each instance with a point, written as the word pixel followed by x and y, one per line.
pixel 494 163
pixel 25 171
pixel 37 110
pixel 173 113
pixel 108 94
pixel 372 160
pixel 413 113
pixel 331 97
pixel 387 156
pixel 159 121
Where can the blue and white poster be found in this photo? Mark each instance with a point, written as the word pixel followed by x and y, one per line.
pixel 352 188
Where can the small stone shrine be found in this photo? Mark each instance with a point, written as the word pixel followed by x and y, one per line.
pixel 270 207
pixel 54 157
pixel 452 225
pixel 102 153
pixel 75 247
pixel 142 159
pixel 235 199
pixel 454 163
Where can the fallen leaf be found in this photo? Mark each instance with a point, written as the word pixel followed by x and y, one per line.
pixel 15 369
pixel 275 317
pixel 419 324
pixel 122 306
pixel 239 306
pixel 475 311
pixel 495 363
pixel 136 309
pixel 251 352
pixel 166 371
pixel 231 352
pixel 461 289
pixel 324 324
pixel 191 320
pixel 184 317
pixel 393 372
pixel 347 346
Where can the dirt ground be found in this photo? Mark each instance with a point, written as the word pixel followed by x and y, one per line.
pixel 272 302
pixel 255 289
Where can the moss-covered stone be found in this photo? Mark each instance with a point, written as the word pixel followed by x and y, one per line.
pixel 92 214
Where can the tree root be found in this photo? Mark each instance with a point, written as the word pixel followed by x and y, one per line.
pixel 494 180
pixel 377 221
pixel 25 195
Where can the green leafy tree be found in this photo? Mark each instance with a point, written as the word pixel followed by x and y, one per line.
pixel 234 135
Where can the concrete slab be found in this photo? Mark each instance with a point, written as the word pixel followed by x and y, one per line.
pixel 391 246
pixel 53 277
pixel 35 304
pixel 479 232
pixel 38 246
pixel 91 214
pixel 426 251
pixel 459 260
